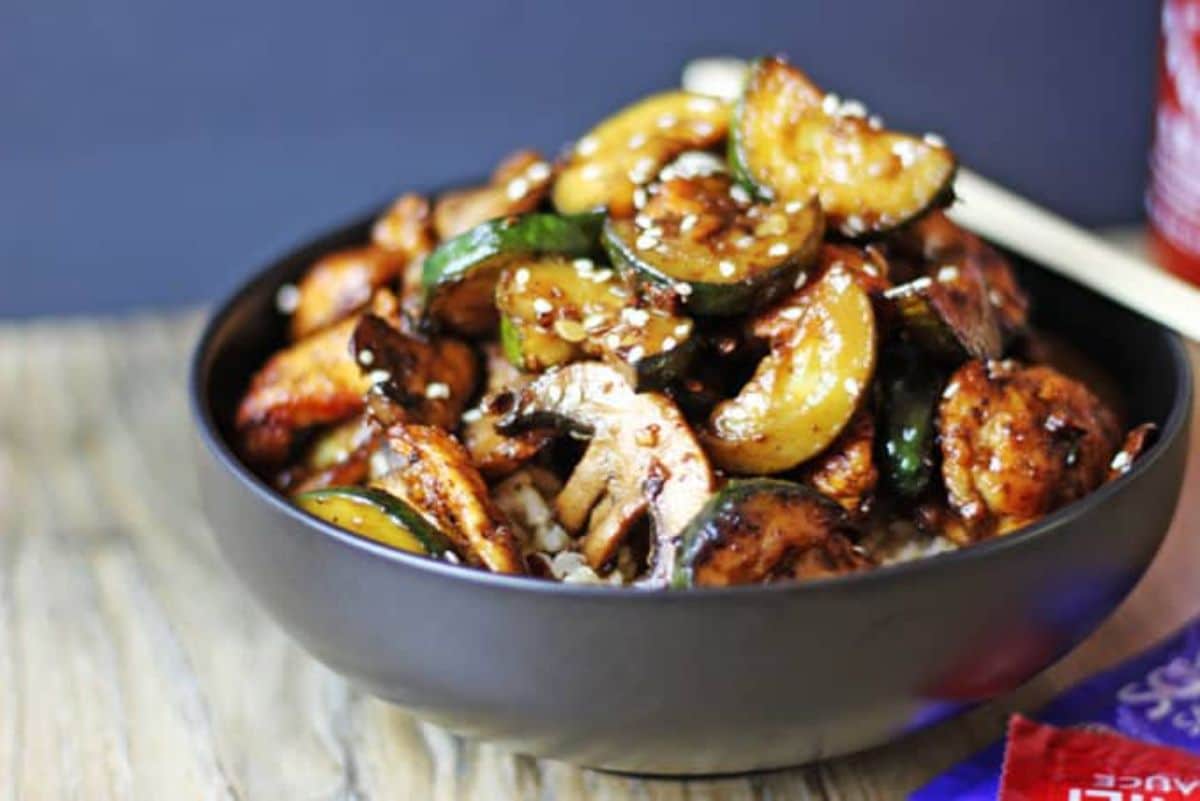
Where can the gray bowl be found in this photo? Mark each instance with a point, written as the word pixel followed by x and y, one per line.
pixel 707 681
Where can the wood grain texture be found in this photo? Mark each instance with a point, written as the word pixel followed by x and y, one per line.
pixel 133 667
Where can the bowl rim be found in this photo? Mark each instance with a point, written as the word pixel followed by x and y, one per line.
pixel 221 450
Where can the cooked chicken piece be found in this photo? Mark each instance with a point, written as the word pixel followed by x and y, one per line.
pixel 1018 442
pixel 518 185
pixel 642 457
pixel 406 229
pixel 415 379
pixel 313 382
pixel 340 284
pixel 846 472
pixel 432 472
pixel 495 454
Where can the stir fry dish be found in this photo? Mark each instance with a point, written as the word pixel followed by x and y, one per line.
pixel 721 340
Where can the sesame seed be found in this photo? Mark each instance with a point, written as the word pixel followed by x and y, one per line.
pixel 366 357
pixel 570 330
pixel 517 188
pixel 595 321
pixel 792 313
pixel 646 241
pixel 590 172
pixel 794 207
pixel 642 170
pixel 682 289
pixel 451 557
pixel 669 343
pixel 667 121
pixel 587 146
pixel 744 242
pixel 855 225
pixel 612 341
pixel 778 249
pixel 378 376
pixel 934 140
pixel 542 306
pixel 702 105
pixel 437 390
pixel 635 317
pixel 472 415
pixel 839 280
pixel 287 299
pixel 875 122
pixel 801 280
pixel 852 108
pixel 583 265
pixel 739 194
pixel 727 268
pixel 996 297
pixel 830 103
pixel 637 140
pixel 703 128
pixel 639 198
pixel 538 172
pixel 907 151
pixel 688 222
pixel 636 353
pixel 683 329
pixel 601 276
pixel 643 220
pixel 947 273
pixel 871 270
pixel 521 278
pixel 851 385
pixel 617 292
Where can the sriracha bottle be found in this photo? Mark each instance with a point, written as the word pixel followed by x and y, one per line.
pixel 1173 199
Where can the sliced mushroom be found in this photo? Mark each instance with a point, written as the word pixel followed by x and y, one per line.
pixel 431 470
pixel 496 454
pixel 642 457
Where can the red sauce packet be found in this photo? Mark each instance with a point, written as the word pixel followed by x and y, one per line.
pixel 1045 763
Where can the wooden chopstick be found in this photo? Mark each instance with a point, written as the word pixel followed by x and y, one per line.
pixel 1042 236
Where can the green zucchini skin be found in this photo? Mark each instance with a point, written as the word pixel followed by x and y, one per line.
pixel 431 541
pixel 733 521
pixel 909 387
pixel 735 148
pixel 459 276
pixel 707 298
pixel 650 346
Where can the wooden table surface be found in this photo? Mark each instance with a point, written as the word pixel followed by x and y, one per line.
pixel 133 667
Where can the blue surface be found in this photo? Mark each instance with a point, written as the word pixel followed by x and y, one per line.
pixel 156 152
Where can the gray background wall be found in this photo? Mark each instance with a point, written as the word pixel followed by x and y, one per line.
pixel 153 152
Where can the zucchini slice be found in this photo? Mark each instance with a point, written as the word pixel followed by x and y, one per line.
pixel 807 388
pixel 376 515
pixel 791 141
pixel 704 239
pixel 642 457
pixel 949 313
pixel 762 530
pixel 629 149
pixel 909 388
pixel 556 310
pixel 459 277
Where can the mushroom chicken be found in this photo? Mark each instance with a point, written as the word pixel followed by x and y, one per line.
pixel 722 340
